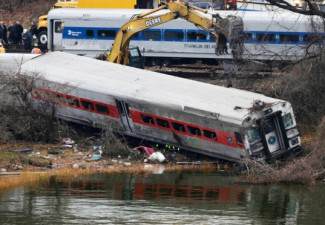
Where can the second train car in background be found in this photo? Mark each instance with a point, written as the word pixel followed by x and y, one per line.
pixel 268 35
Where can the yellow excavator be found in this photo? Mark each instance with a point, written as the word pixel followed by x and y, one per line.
pixel 225 30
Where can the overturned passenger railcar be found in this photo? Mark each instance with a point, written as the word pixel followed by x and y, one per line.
pixel 225 123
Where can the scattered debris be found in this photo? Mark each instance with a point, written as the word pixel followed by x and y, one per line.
pixel 157 157
pixel 146 150
pixel 68 143
pixel 23 150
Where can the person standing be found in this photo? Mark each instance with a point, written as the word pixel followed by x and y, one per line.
pixel 18 31
pixel 3 32
pixel 33 29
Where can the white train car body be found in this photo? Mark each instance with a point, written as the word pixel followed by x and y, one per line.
pixel 269 35
pixel 221 122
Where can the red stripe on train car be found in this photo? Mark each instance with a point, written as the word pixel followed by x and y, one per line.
pixel 222 137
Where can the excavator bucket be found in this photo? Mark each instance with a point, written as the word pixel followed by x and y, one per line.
pixel 232 33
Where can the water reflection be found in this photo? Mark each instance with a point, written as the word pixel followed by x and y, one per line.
pixel 179 198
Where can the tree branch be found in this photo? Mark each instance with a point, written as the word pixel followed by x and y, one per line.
pixel 311 10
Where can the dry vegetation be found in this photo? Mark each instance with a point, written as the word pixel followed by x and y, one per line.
pixel 34 178
pixel 24 11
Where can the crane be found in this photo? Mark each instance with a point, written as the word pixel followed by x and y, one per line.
pixel 225 30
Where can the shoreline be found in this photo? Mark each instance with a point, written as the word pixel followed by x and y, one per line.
pixel 29 178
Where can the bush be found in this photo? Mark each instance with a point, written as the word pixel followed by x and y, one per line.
pixel 19 120
pixel 304 87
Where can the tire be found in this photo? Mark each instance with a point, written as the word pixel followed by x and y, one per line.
pixel 42 39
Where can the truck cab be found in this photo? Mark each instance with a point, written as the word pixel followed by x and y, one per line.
pixel 126 4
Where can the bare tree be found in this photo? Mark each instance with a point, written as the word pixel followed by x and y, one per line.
pixel 310 8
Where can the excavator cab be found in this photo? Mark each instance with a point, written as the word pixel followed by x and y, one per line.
pixel 135 58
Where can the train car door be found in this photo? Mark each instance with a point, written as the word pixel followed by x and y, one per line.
pixel 271 136
pixel 126 120
pixel 57 35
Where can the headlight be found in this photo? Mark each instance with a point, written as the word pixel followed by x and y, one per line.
pixel 257 147
pixel 294 142
pixel 292 133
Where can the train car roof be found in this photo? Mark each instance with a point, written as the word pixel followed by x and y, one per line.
pixel 253 20
pixel 144 86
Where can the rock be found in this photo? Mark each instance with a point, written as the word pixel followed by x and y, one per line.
pixel 75 166
pixel 17 167
pixel 3 170
pixel 54 151
pixel 83 165
pixel 39 162
pixel 114 161
pixel 127 164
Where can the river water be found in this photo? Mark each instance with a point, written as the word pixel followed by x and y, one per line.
pixel 172 198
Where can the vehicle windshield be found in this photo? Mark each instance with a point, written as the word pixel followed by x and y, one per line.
pixel 287 120
pixel 253 135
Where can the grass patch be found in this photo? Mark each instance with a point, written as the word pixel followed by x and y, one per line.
pixel 35 178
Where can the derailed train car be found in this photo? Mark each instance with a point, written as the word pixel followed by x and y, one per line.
pixel 225 123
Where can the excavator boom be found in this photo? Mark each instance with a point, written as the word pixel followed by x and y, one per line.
pixel 224 29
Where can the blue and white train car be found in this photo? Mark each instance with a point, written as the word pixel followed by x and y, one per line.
pixel 269 35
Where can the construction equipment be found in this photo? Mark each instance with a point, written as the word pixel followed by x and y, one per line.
pixel 225 30
pixel 109 4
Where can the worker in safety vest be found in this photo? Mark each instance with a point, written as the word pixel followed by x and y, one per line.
pixel 2 49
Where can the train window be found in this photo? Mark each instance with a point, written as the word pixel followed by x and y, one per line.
pixel 238 138
pixel 101 108
pixel 74 102
pixel 87 105
pixel 196 36
pixel 265 37
pixel 162 123
pixel 37 94
pixel 212 38
pixel 106 34
pixel 147 119
pixel 136 36
pixel 178 127
pixel 248 36
pixel 174 35
pixel 312 38
pixel 194 130
pixel 59 98
pixel 152 35
pixel 209 134
pixel 58 27
pixel 289 38
pixel 89 33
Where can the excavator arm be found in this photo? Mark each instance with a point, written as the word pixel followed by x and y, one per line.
pixel 224 29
